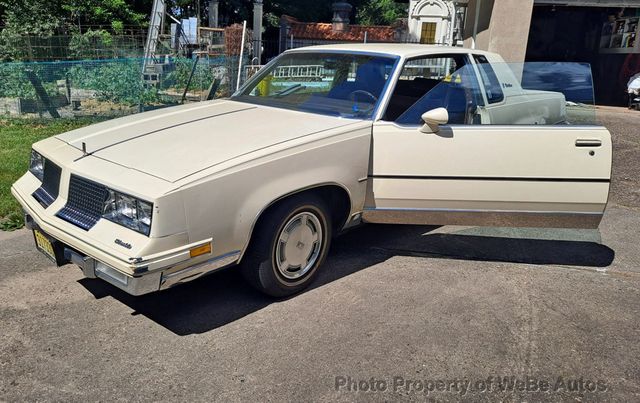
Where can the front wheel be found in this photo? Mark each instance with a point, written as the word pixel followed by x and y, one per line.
pixel 288 247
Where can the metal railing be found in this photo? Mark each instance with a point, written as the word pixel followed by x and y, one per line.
pixel 302 71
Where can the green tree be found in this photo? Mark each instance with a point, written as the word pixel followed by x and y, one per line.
pixel 33 17
pixel 380 12
pixel 113 13
pixel 43 17
pixel 40 19
pixel 23 17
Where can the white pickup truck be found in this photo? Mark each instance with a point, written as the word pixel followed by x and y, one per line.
pixel 321 139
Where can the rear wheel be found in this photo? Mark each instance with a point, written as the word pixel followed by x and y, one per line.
pixel 289 245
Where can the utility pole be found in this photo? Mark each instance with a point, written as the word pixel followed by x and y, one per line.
pixel 213 13
pixel 257 30
pixel 198 11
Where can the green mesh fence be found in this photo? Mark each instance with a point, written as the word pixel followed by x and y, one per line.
pixel 109 87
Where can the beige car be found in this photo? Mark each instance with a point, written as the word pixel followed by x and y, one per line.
pixel 320 140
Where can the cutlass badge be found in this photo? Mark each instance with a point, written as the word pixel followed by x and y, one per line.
pixel 123 244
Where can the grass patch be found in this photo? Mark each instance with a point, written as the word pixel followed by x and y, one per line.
pixel 16 138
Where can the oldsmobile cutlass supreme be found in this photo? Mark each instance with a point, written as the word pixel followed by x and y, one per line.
pixel 320 140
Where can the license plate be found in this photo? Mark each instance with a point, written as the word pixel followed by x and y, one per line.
pixel 44 245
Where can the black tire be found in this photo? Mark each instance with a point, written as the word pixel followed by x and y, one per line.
pixel 260 265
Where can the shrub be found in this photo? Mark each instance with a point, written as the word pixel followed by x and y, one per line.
pixel 15 84
pixel 179 77
pixel 116 81
pixel 93 43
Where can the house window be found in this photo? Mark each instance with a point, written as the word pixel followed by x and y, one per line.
pixel 428 34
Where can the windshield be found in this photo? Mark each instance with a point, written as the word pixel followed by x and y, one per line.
pixel 336 84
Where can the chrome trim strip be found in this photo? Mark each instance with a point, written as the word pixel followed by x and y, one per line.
pixel 196 271
pixel 493 218
pixel 494 127
pixel 471 210
pixel 490 178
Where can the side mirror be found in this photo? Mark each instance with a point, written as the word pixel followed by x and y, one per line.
pixel 433 119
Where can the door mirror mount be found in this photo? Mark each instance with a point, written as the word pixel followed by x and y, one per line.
pixel 433 119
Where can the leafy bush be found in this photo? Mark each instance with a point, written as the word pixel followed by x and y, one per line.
pixel 15 84
pixel 179 77
pixel 93 43
pixel 115 81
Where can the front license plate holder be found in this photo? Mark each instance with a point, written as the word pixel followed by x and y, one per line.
pixel 50 247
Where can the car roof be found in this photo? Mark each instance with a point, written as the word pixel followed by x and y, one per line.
pixel 405 50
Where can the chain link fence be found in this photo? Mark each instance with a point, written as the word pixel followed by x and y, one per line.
pixel 94 42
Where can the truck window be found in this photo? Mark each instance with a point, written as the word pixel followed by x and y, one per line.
pixel 490 80
pixel 430 82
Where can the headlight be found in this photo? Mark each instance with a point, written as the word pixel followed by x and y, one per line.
pixel 36 166
pixel 128 211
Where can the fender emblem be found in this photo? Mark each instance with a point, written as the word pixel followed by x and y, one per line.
pixel 123 244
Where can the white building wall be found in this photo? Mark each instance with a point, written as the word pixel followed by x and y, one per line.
pixel 441 12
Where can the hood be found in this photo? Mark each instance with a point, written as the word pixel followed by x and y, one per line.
pixel 174 143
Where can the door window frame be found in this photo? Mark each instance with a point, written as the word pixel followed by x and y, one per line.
pixel 469 59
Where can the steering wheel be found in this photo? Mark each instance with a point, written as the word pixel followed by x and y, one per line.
pixel 353 96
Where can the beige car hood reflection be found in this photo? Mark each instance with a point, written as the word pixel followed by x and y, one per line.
pixel 177 143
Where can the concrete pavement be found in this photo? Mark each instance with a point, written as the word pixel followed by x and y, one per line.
pixel 415 313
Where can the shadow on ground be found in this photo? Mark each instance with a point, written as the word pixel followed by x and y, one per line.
pixel 223 297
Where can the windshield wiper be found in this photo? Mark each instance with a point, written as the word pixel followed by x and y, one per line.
pixel 290 90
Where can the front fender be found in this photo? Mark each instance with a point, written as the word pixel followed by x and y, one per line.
pixel 227 205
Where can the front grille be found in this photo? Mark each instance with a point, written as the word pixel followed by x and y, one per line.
pixel 85 203
pixel 47 193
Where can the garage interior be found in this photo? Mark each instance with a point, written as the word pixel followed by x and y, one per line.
pixel 561 32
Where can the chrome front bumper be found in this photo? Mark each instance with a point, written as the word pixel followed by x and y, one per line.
pixel 143 283
pixel 91 268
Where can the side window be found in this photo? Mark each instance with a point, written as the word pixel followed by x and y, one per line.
pixel 426 83
pixel 490 80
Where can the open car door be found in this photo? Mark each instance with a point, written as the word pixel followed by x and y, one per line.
pixel 465 173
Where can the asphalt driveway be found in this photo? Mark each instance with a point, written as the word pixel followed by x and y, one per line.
pixel 415 313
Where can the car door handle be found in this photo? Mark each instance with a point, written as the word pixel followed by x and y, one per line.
pixel 588 143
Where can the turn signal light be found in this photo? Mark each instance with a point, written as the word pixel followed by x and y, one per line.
pixel 200 250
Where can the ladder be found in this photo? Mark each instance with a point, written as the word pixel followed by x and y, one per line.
pixel 149 70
